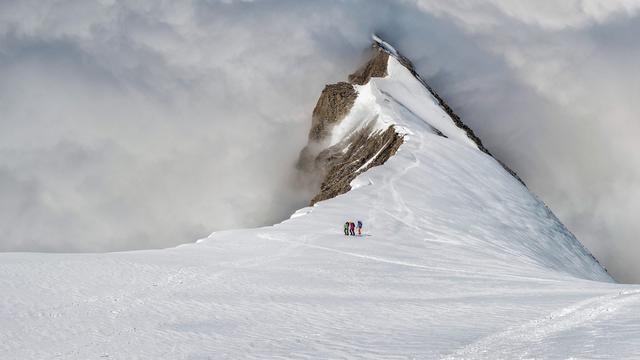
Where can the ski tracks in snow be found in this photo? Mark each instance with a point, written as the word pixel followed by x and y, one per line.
pixel 517 342
pixel 403 212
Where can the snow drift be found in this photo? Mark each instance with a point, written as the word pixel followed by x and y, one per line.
pixel 459 260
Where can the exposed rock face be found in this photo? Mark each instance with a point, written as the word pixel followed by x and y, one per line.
pixel 334 167
pixel 376 67
pixel 336 100
pixel 333 105
pixel 366 150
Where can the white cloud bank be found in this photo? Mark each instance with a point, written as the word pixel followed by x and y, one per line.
pixel 151 123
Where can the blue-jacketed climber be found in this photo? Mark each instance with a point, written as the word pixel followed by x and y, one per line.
pixel 359 227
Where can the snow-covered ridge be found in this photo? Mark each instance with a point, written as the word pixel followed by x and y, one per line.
pixel 350 119
pixel 396 100
pixel 388 48
pixel 459 261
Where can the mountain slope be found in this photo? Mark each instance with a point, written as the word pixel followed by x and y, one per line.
pixel 459 260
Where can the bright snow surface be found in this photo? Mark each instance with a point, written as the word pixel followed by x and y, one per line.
pixel 459 260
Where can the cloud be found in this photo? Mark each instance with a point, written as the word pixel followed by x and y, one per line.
pixel 483 16
pixel 148 124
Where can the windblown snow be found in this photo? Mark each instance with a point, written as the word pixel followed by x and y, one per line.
pixel 459 261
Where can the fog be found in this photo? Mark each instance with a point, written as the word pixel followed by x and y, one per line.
pixel 145 124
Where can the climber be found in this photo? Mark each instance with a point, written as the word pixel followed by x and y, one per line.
pixel 352 228
pixel 359 227
pixel 346 228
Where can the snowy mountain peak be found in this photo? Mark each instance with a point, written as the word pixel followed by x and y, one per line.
pixel 358 124
pixel 387 109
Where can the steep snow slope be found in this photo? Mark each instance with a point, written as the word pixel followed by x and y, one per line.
pixel 459 260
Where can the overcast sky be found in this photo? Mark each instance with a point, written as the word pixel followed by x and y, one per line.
pixel 152 123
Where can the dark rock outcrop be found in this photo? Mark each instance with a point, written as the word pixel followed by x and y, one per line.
pixel 376 67
pixel 334 167
pixel 333 105
pixel 366 149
